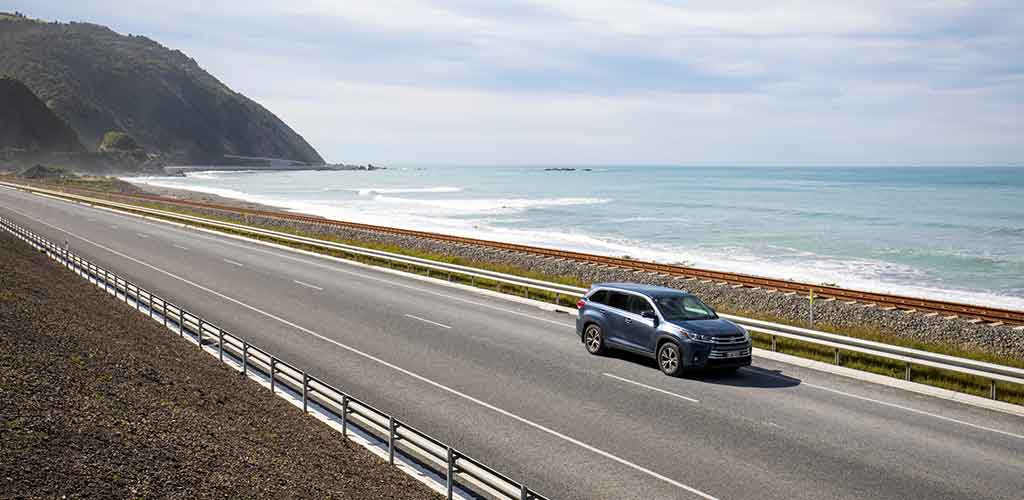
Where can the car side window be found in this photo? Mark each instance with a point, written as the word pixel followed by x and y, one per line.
pixel 618 300
pixel 600 297
pixel 639 305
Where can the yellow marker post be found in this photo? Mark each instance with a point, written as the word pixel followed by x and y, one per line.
pixel 810 298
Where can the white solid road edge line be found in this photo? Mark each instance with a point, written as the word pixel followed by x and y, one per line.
pixel 435 323
pixel 404 463
pixel 645 386
pixel 967 399
pixel 938 392
pixel 438 385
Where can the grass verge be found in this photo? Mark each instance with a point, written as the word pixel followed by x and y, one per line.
pixel 1012 393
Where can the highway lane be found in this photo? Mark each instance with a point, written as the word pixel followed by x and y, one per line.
pixel 511 385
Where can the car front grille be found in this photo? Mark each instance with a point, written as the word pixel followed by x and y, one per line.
pixel 735 353
pixel 725 340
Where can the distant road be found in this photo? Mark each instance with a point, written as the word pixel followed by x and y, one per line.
pixel 512 386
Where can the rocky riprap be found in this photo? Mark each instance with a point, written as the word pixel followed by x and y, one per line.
pixel 959 332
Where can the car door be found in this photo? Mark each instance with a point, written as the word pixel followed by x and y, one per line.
pixel 640 331
pixel 615 314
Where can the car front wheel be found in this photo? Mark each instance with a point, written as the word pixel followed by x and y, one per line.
pixel 669 359
pixel 593 338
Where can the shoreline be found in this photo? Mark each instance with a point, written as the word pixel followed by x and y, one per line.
pixel 201 197
pixel 910 290
pixel 833 315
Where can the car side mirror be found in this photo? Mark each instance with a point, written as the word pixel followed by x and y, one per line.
pixel 650 315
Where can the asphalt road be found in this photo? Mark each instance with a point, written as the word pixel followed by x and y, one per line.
pixel 511 385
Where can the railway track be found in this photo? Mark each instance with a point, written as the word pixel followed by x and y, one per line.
pixel 949 309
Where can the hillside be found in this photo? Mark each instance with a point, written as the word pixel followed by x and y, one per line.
pixel 100 81
pixel 27 124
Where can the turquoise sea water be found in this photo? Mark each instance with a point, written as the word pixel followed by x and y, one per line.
pixel 950 233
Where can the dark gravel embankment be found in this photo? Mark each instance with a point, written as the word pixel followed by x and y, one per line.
pixel 96 401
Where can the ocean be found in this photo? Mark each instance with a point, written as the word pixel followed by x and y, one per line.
pixel 946 233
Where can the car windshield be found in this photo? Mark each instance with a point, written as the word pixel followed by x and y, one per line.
pixel 683 308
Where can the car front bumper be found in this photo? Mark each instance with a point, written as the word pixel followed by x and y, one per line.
pixel 700 355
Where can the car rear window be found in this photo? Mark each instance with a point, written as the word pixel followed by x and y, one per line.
pixel 618 300
pixel 601 297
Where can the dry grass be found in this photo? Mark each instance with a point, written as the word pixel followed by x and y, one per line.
pixel 1012 393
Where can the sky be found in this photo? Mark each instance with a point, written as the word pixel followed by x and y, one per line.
pixel 482 82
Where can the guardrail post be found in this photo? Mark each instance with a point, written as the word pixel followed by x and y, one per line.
pixel 993 387
pixel 245 358
pixel 273 367
pixel 344 415
pixel 199 334
pixel 450 476
pixel 837 355
pixel 163 310
pixel 907 374
pixel 391 440
pixel 774 348
pixel 524 492
pixel 305 385
pixel 220 345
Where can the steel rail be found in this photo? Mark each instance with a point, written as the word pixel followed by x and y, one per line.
pixel 459 470
pixel 984 313
pixel 992 372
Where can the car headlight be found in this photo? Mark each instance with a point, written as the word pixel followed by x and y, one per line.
pixel 699 337
pixel 746 334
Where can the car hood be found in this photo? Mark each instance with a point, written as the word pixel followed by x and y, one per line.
pixel 711 327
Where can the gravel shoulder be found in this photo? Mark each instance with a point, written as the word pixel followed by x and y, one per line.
pixel 97 401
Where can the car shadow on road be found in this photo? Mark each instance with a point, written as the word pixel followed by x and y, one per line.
pixel 748 376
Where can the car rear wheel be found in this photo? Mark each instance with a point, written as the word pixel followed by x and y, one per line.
pixel 593 338
pixel 669 360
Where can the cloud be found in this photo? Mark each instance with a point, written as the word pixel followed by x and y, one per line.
pixel 646 81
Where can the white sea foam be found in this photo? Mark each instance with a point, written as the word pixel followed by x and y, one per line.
pixel 377 191
pixel 216 174
pixel 440 207
pixel 449 216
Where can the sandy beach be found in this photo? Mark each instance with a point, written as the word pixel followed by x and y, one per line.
pixel 196 196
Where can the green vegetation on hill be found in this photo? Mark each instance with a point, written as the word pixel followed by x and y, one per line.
pixel 26 124
pixel 118 141
pixel 44 172
pixel 98 80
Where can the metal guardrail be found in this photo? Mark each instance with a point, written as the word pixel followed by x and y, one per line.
pixel 992 315
pixel 460 470
pixel 910 357
pixel 450 269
